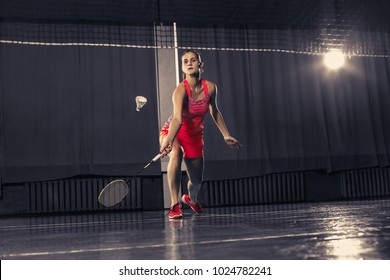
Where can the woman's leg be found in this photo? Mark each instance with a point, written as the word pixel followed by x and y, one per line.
pixel 174 171
pixel 195 174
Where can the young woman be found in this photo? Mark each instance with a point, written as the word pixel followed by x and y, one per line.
pixel 182 135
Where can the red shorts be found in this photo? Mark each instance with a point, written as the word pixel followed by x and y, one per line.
pixel 191 144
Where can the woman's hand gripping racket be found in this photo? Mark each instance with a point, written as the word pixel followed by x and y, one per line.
pixel 115 191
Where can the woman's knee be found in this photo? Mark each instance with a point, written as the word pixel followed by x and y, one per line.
pixel 176 155
pixel 197 182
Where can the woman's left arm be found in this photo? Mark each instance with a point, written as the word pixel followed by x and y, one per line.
pixel 218 118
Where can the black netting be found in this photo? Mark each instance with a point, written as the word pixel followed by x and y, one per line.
pixel 313 27
pixel 124 11
pixel 268 14
pixel 263 14
pixel 77 34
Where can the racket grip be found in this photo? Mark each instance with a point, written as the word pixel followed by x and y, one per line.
pixel 153 160
pixel 156 157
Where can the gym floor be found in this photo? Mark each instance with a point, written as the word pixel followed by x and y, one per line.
pixel 319 231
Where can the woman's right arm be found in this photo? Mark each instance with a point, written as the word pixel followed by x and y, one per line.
pixel 174 127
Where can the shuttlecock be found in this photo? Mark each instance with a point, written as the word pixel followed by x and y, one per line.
pixel 140 101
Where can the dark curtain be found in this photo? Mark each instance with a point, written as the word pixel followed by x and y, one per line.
pixel 70 110
pixel 130 11
pixel 292 114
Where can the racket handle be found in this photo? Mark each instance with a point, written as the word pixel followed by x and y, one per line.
pixel 153 160
pixel 156 157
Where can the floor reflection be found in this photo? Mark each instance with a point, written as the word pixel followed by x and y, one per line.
pixel 331 230
pixel 350 231
pixel 173 231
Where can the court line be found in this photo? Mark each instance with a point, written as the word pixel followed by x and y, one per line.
pixel 149 246
pixel 80 224
pixel 108 222
pixel 132 221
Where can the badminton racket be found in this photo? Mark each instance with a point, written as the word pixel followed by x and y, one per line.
pixel 115 191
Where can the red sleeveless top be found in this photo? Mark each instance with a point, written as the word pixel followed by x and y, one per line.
pixel 190 135
pixel 194 111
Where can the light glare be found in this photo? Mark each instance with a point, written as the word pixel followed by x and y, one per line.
pixel 334 59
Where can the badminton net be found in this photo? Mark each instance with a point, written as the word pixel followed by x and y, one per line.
pixel 308 27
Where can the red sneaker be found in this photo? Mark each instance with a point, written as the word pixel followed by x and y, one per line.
pixel 196 207
pixel 175 212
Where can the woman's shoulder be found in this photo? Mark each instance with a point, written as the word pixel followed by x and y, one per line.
pixel 210 85
pixel 180 90
pixel 181 87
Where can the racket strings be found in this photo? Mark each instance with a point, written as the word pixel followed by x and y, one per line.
pixel 114 193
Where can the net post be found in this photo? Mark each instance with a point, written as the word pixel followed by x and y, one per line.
pixel 175 46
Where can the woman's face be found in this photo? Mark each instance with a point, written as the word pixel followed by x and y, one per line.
pixel 190 63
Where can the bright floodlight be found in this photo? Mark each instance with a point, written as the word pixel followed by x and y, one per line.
pixel 334 59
